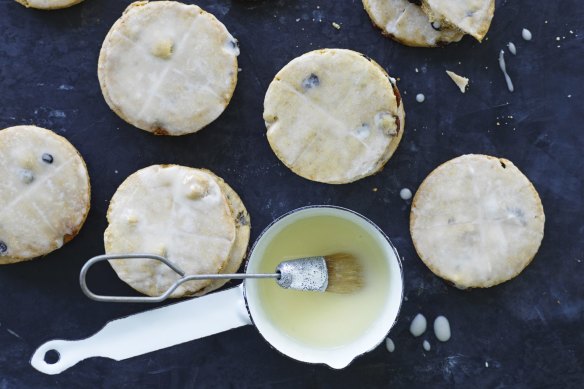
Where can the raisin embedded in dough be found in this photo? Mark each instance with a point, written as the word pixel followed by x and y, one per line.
pixel 48 158
pixel 310 82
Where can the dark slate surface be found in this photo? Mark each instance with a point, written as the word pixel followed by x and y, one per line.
pixel 529 330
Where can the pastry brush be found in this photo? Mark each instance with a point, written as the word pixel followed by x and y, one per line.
pixel 336 273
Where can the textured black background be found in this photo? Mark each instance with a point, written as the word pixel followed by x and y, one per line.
pixel 529 330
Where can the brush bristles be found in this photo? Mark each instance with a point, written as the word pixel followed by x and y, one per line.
pixel 345 274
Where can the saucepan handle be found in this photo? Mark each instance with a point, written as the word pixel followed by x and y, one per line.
pixel 149 331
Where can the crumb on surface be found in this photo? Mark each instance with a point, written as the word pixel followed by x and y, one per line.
pixel 336 25
pixel 461 82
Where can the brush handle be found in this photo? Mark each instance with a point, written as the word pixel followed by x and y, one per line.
pixel 150 331
pixel 154 299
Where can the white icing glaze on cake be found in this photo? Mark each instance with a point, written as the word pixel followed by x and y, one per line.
pixel 473 17
pixel 408 24
pixel 333 116
pixel 167 67
pixel 48 4
pixel 44 192
pixel 476 221
pixel 178 212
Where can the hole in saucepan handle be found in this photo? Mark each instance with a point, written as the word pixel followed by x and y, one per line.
pixel 52 356
pixel 58 355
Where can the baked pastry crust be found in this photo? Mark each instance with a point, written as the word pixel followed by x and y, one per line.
pixel 333 116
pixel 472 17
pixel 174 211
pixel 477 221
pixel 406 23
pixel 167 67
pixel 45 192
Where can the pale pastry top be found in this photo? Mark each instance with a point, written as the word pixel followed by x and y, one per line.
pixel 173 211
pixel 473 17
pixel 408 24
pixel 48 4
pixel 167 67
pixel 461 82
pixel 477 221
pixel 333 116
pixel 44 192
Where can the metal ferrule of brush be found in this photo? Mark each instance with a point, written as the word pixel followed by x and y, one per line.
pixel 308 274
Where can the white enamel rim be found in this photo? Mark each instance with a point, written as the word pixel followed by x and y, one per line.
pixel 338 357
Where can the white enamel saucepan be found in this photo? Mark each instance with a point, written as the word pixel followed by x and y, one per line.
pixel 235 307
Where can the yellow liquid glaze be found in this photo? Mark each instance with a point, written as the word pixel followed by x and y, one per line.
pixel 324 319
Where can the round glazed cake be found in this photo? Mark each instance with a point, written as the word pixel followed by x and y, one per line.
pixel 45 192
pixel 187 215
pixel 167 67
pixel 477 221
pixel 333 116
